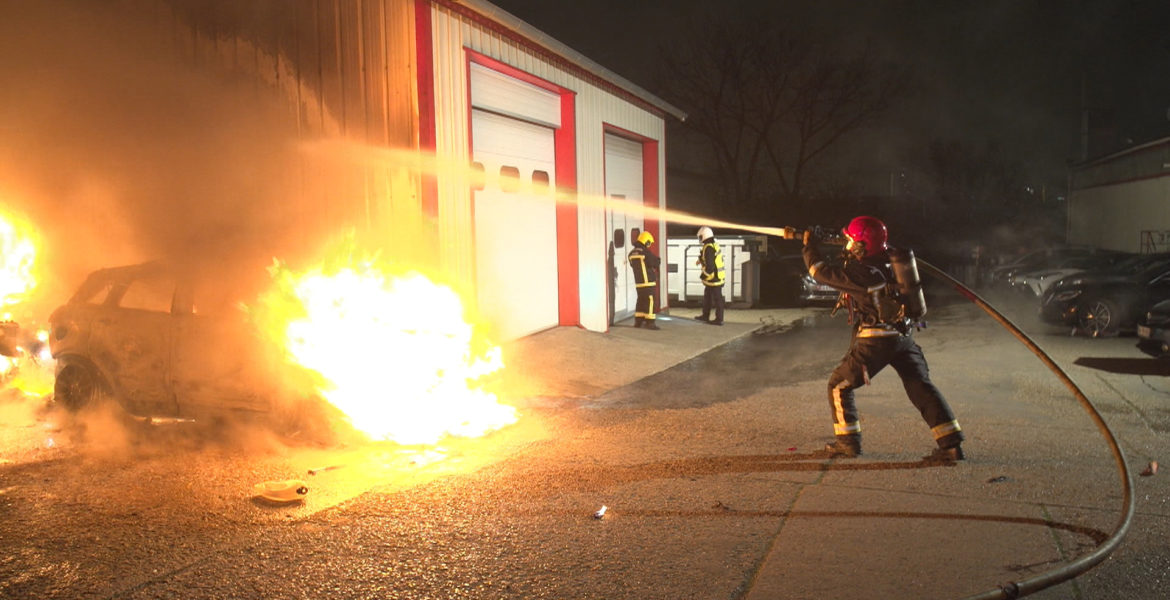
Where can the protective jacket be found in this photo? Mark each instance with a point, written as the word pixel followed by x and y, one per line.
pixel 866 291
pixel 645 265
pixel 712 262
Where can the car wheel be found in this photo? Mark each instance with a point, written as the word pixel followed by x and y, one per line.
pixel 1099 317
pixel 77 387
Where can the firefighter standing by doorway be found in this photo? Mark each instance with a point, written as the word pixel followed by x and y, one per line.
pixel 883 312
pixel 711 262
pixel 645 265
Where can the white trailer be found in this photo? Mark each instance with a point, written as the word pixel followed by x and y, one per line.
pixel 741 261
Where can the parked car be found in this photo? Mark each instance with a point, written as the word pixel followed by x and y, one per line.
pixel 998 277
pixel 133 334
pixel 1034 283
pixel 1108 301
pixel 1153 330
pixel 784 281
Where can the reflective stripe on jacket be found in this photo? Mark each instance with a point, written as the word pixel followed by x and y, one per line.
pixel 645 264
pixel 712 263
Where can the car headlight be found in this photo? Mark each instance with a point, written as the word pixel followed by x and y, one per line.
pixel 1066 295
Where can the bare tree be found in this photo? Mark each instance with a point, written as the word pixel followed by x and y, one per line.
pixel 768 103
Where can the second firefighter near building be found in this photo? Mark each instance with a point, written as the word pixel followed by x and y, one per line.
pixel 645 265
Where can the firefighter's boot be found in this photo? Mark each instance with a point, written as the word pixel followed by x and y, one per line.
pixel 845 446
pixel 650 324
pixel 638 321
pixel 948 455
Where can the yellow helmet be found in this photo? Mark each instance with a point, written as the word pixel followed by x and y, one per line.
pixel 645 238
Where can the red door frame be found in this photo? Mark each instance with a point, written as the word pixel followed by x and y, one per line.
pixel 650 197
pixel 565 160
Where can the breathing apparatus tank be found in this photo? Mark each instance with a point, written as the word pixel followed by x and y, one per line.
pixel 909 285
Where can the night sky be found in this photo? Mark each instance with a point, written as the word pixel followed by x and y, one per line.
pixel 1002 71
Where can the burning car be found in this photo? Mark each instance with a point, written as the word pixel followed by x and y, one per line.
pixel 180 343
pixel 144 336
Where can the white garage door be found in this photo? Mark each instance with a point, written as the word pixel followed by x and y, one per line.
pixel 623 181
pixel 515 224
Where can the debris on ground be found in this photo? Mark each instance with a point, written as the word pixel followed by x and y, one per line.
pixel 600 514
pixel 1150 469
pixel 289 490
pixel 769 325
pixel 325 468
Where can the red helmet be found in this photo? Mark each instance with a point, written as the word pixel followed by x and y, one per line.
pixel 869 232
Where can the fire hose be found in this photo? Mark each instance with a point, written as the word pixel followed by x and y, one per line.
pixel 1017 589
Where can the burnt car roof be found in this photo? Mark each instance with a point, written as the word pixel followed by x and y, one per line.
pixel 96 279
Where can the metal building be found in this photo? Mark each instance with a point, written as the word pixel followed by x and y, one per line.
pixel 474 85
pixel 1122 201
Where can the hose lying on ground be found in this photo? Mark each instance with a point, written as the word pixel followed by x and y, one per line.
pixel 1016 589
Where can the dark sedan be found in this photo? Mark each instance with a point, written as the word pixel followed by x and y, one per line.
pixel 1107 302
pixel 1153 330
pixel 784 281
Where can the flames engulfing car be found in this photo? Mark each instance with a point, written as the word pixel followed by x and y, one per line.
pixel 1106 302
pixel 135 334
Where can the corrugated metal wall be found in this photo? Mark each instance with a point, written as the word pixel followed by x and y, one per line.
pixel 346 69
pixel 594 108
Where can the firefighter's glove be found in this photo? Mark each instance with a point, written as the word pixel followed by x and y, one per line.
pixel 809 238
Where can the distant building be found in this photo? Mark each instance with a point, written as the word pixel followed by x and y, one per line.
pixel 1122 201
pixel 474 85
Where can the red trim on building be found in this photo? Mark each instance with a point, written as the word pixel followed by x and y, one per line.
pixel 565 161
pixel 542 52
pixel 651 196
pixel 510 71
pixel 650 199
pixel 568 259
pixel 425 62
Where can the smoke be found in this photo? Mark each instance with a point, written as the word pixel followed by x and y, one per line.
pixel 119 150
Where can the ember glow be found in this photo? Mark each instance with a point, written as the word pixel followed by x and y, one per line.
pixel 393 352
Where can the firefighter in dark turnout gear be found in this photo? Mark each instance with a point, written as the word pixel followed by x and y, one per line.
pixel 711 262
pixel 881 336
pixel 645 265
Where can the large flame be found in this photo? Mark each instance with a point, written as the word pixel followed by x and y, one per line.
pixel 393 352
pixel 18 251
pixel 25 364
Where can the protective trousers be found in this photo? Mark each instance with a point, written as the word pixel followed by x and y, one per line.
pixel 713 299
pixel 865 359
pixel 644 308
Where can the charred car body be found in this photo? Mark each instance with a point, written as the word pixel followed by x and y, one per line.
pixel 1107 302
pixel 135 334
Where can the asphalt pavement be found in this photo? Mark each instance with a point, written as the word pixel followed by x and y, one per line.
pixel 699 441
pixel 1039 488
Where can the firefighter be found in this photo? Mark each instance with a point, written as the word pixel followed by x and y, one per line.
pixel 711 262
pixel 881 336
pixel 645 265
